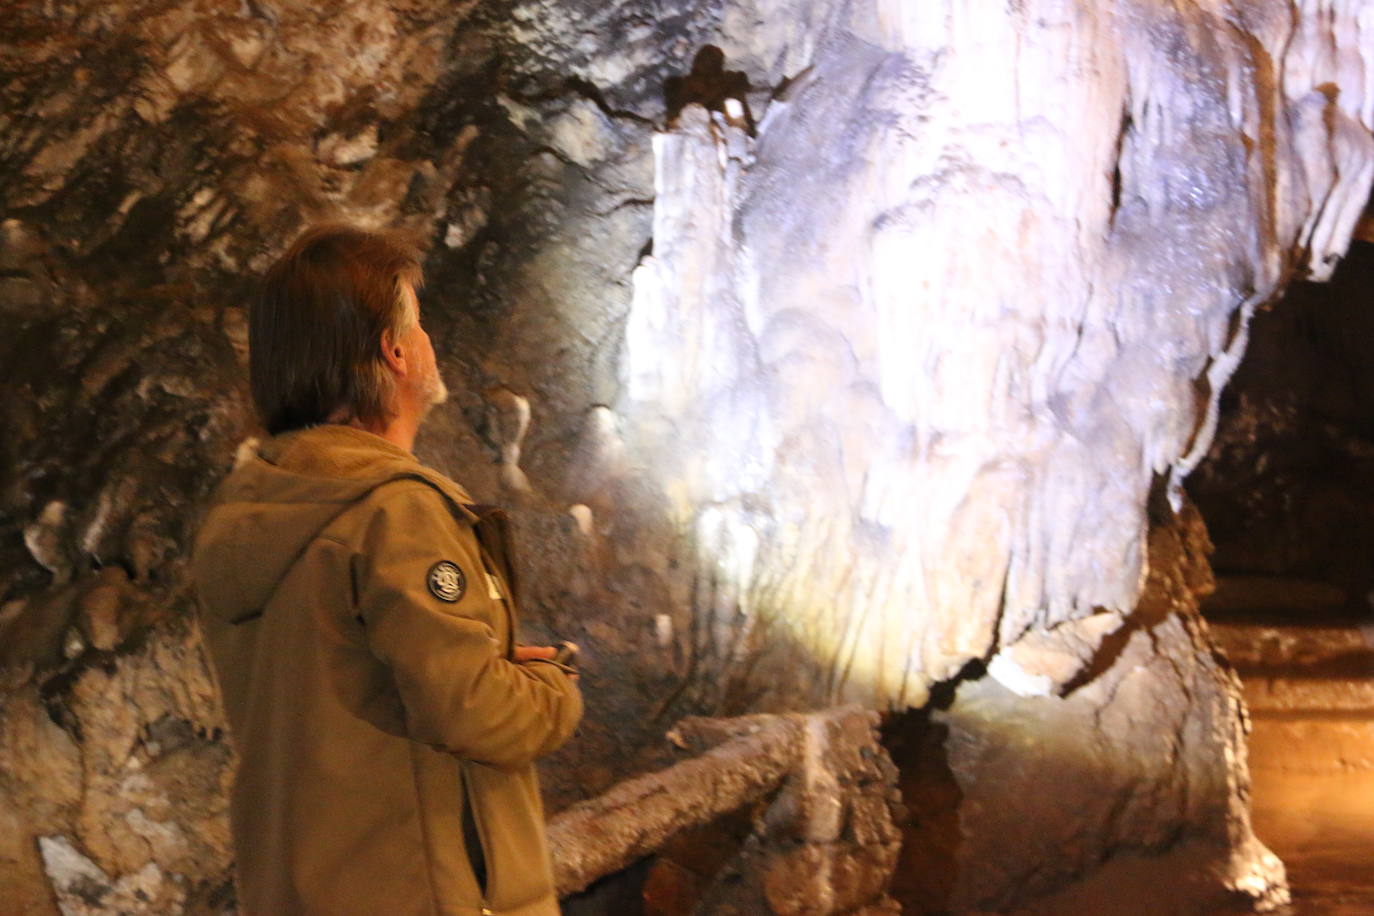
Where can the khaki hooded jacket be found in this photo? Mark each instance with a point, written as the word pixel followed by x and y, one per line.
pixel 359 612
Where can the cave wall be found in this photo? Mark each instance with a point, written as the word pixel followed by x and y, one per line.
pixel 858 370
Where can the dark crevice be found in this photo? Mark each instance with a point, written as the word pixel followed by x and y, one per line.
pixel 711 86
pixel 627 202
pixel 594 95
pixel 582 88
pixel 1122 132
pixel 927 869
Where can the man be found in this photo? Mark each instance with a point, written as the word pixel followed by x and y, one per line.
pixel 359 611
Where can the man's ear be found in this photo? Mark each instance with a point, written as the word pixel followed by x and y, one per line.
pixel 393 354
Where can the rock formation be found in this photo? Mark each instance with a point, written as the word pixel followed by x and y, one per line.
pixel 828 349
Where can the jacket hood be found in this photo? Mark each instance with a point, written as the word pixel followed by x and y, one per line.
pixel 278 499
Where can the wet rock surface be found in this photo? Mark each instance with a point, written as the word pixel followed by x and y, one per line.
pixel 862 371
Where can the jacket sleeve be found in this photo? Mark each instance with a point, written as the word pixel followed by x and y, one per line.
pixel 459 691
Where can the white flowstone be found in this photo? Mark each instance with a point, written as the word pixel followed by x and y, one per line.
pixel 936 332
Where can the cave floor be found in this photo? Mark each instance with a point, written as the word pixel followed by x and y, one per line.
pixel 1310 689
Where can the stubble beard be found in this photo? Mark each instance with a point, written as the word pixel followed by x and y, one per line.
pixel 435 392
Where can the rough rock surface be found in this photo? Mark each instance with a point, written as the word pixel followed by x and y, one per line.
pixel 862 370
pixel 1017 798
pixel 115 782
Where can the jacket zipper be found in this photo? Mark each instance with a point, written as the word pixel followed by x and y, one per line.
pixel 499 569
pixel 471 808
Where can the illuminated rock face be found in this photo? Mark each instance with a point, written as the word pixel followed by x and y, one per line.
pixel 861 371
pixel 914 356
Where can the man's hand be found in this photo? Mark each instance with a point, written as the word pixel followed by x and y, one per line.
pixel 547 653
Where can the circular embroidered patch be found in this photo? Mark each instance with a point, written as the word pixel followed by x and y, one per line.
pixel 446 581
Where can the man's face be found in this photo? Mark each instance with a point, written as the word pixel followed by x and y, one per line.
pixel 429 384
